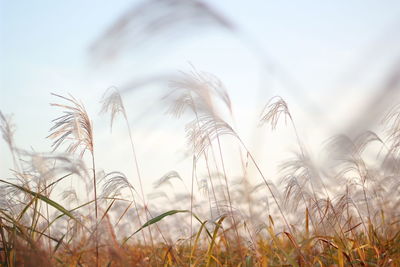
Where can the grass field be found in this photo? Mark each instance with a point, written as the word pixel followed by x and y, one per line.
pixel 342 214
pixel 61 208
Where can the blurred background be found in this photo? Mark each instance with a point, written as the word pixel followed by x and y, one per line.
pixel 336 64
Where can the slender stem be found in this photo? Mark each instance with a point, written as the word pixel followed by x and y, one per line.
pixel 5 247
pixel 140 182
pixel 229 197
pixel 96 207
pixel 191 205
pixel 269 188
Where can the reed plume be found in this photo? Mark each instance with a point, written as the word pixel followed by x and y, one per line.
pixel 75 129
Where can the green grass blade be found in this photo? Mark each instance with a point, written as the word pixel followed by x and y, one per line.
pixel 43 198
pixel 154 220
pixel 59 242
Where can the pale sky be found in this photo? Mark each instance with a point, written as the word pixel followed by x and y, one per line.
pixel 334 53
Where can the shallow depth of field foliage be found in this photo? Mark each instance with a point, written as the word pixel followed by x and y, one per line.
pixel 61 209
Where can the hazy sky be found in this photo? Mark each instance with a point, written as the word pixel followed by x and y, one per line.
pixel 316 45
